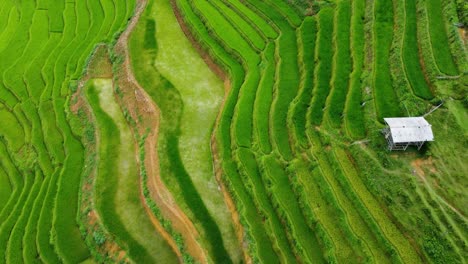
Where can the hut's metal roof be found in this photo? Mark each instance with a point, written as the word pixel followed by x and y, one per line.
pixel 409 129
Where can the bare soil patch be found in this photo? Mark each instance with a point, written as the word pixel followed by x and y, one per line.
pixel 463 34
pixel 420 167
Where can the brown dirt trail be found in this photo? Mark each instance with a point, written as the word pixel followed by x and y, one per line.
pixel 147 116
pixel 90 219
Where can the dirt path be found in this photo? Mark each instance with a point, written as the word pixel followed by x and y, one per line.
pixel 217 168
pixel 90 220
pixel 147 116
pixel 218 174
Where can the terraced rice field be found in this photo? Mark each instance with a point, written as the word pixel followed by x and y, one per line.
pixel 231 131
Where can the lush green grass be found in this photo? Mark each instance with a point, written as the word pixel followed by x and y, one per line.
pixel 342 64
pixel 253 179
pixel 286 11
pixel 117 198
pixel 226 30
pixel 209 43
pixel 242 117
pixel 70 244
pixel 353 116
pixel 170 101
pixel 4 12
pixel 34 44
pixel 12 23
pixel 68 188
pixel 356 214
pixel 403 192
pixel 385 225
pixel 31 44
pixel 30 249
pixel 439 39
pixel 55 9
pixel 321 207
pixel 8 224
pixel 201 101
pixel 307 37
pixel 15 182
pixel 287 84
pixel 12 131
pixel 6 188
pixel 385 99
pixel 303 191
pixel 107 185
pixel 287 60
pixel 14 250
pixel 286 80
pixel 246 29
pixel 278 183
pixel 260 23
pixel 64 229
pixel 51 131
pixel 458 110
pixel 453 184
pixel 33 63
pixel 323 69
pixel 263 99
pixel 194 201
pixel 43 158
pixel 44 223
pixel 361 226
pixel 260 247
pixel 410 55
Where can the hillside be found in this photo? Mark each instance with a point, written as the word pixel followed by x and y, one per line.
pixel 231 131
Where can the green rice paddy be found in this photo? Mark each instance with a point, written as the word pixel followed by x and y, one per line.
pixel 266 131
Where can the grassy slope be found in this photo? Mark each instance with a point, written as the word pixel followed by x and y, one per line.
pixel 259 246
pixel 385 98
pixel 342 65
pixel 35 75
pixel 425 208
pixel 117 183
pixel 144 47
pixel 450 164
pixel 410 55
pixel 286 58
pixel 306 43
pixel 439 39
pixel 353 118
pixel 418 206
pixel 323 70
pixel 5 188
pixel 201 92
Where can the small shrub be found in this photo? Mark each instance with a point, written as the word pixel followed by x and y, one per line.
pixel 99 237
